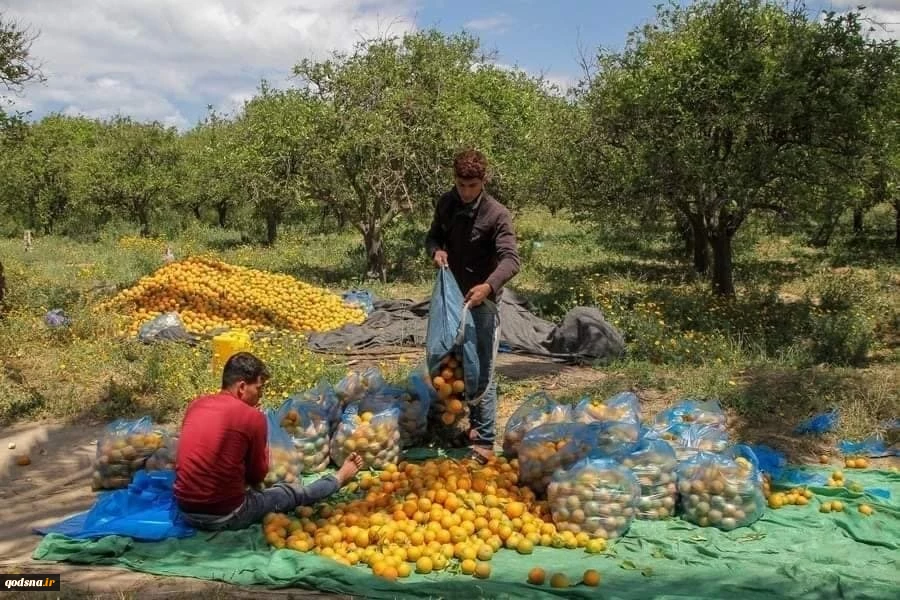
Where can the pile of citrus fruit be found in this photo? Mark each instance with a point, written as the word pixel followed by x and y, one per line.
pixel 426 517
pixel 209 294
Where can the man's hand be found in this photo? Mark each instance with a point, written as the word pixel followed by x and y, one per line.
pixel 440 258
pixel 478 294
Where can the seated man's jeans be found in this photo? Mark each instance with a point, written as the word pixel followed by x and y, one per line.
pixel 281 497
pixel 483 410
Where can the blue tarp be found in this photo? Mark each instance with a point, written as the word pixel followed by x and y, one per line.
pixel 145 511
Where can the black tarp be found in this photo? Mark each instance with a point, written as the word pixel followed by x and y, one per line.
pixel 583 336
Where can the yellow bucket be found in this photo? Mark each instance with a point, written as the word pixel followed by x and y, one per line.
pixel 226 345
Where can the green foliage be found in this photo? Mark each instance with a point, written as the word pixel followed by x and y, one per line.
pixel 726 108
pixel 130 171
pixel 843 327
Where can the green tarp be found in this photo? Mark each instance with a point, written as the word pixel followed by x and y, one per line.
pixel 795 552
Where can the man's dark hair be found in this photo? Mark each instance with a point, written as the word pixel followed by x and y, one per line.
pixel 243 366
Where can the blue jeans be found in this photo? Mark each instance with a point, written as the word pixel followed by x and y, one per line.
pixel 281 497
pixel 483 409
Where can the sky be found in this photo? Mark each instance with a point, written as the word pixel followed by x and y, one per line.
pixel 167 60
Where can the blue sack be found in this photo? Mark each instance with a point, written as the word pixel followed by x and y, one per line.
pixel 361 299
pixel 451 330
pixel 145 511
pixel 771 461
pixel 819 424
pixel 872 447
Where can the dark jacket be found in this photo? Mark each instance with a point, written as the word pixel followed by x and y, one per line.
pixel 479 240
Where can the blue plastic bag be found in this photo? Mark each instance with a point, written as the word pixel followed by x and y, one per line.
pixel 596 496
pixel 417 400
pixel 374 435
pixel 872 447
pixel 536 410
pixel 653 462
pixel 145 511
pixel 284 461
pixel 688 440
pixel 56 318
pixel 124 449
pixel 770 461
pixel 689 411
pixel 547 448
pixel 451 330
pixel 324 395
pixel 623 407
pixel 307 423
pixel 361 299
pixel 721 490
pixel 818 424
pixel 355 385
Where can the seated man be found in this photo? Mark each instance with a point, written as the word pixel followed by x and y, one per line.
pixel 223 456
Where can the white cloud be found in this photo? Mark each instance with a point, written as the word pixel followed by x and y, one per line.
pixel 159 59
pixel 498 23
pixel 884 16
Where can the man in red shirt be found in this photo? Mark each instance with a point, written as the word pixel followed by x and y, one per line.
pixel 223 456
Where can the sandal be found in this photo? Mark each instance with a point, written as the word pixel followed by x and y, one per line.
pixel 477 456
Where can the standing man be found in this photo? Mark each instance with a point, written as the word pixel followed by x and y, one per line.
pixel 472 234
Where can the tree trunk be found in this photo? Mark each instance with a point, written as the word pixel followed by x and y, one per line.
pixel 723 276
pixel 375 259
pixel 897 224
pixel 271 228
pixel 700 244
pixel 857 221
pixel 144 221
pixel 222 212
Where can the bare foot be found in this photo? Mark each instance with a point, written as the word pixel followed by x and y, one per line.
pixel 352 465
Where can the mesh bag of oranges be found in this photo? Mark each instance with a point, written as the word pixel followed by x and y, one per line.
pixel 370 427
pixel 123 449
pixel 721 490
pixel 325 397
pixel 356 385
pixel 307 423
pixel 623 408
pixel 536 410
pixel 163 459
pixel 418 398
pixel 596 495
pixel 688 412
pixel 548 448
pixel 688 440
pixel 285 462
pixel 653 462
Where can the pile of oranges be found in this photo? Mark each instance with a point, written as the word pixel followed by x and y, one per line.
pixel 209 294
pixel 427 517
pixel 450 385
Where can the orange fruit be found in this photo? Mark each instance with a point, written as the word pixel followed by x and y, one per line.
pixel 559 580
pixel 468 566
pixel 483 570
pixel 591 578
pixel 424 565
pixel 525 546
pixel 536 576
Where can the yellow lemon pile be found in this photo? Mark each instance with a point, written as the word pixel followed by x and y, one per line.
pixel 209 294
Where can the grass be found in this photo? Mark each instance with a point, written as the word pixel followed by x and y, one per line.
pixel 810 329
